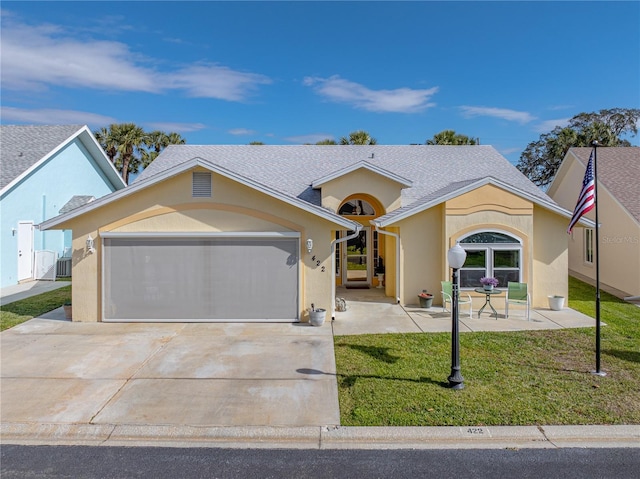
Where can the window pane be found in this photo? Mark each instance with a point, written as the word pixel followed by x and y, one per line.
pixel 505 275
pixel 506 258
pixel 470 278
pixel 475 258
pixel 357 207
pixel 490 237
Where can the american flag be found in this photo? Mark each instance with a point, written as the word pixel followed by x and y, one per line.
pixel 587 198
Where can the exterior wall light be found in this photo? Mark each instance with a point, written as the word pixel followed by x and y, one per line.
pixel 90 247
pixel 309 245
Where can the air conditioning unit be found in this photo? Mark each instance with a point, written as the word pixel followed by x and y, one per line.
pixel 63 267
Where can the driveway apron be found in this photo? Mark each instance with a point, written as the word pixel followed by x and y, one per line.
pixel 221 374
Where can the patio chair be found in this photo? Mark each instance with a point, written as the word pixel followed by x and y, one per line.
pixel 447 296
pixel 517 293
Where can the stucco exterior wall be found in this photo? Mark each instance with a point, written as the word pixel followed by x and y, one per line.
pixel 39 197
pixel 169 207
pixel 550 256
pixel 386 191
pixel 421 255
pixel 619 235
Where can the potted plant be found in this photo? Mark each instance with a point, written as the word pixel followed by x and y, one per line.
pixel 488 283
pixel 380 271
pixel 556 302
pixel 426 299
pixel 68 311
pixel 317 316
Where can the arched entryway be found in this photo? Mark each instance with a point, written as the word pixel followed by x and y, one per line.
pixel 359 258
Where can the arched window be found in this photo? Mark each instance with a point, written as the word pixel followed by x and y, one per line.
pixel 491 253
pixel 357 208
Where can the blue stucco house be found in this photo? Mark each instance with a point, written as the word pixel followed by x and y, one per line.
pixel 45 171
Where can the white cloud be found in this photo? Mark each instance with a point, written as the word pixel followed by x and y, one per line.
pixel 36 57
pixel 215 81
pixel 505 114
pixel 47 116
pixel 177 127
pixel 241 131
pixel 312 138
pixel 548 125
pixel 400 100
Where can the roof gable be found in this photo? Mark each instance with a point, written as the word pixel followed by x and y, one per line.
pixel 618 172
pixel 460 188
pixel 365 166
pixel 25 148
pixel 189 165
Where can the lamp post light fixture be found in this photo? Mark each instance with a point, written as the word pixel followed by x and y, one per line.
pixel 456 257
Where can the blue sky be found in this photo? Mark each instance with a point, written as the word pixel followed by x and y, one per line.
pixel 299 72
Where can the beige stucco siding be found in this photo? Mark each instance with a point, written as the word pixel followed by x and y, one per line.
pixel 550 256
pixel 168 207
pixel 619 234
pixel 421 254
pixel 361 181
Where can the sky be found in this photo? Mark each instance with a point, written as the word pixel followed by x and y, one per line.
pixel 300 72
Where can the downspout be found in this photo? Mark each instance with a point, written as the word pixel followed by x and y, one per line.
pixel 333 266
pixel 397 237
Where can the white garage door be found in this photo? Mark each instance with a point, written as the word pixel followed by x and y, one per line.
pixel 201 278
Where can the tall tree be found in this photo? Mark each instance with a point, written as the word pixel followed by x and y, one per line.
pixel 541 159
pixel 450 137
pixel 130 148
pixel 359 137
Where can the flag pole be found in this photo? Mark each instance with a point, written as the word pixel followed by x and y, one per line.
pixel 598 371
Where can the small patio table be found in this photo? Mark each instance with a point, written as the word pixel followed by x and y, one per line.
pixel 488 293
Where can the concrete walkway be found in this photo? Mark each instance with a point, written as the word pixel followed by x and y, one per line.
pixel 231 385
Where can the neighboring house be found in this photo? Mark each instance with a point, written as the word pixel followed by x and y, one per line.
pixel 45 171
pixel 618 214
pixel 259 233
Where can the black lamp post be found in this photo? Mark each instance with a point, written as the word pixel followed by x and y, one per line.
pixel 456 256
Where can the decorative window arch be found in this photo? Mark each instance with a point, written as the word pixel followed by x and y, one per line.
pixel 357 207
pixel 491 253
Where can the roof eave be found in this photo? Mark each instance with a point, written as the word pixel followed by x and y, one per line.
pixel 470 187
pixel 178 169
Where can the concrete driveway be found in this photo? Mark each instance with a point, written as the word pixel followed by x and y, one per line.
pixel 56 371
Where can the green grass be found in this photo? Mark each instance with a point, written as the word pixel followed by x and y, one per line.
pixel 511 378
pixel 18 312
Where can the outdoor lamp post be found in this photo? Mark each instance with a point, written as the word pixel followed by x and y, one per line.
pixel 456 256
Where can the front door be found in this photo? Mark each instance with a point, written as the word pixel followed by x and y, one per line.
pixel 356 264
pixel 25 250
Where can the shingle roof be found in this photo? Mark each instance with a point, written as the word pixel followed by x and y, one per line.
pixel 292 169
pixel 618 172
pixel 21 147
pixel 76 201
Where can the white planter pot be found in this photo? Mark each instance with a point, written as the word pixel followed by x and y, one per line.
pixel 556 303
pixel 317 317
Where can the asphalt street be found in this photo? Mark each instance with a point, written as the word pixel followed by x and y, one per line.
pixel 84 462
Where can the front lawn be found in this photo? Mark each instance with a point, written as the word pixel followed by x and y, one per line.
pixel 18 312
pixel 511 378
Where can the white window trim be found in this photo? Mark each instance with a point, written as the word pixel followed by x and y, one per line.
pixel 489 248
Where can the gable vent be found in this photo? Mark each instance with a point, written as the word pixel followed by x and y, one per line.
pixel 201 187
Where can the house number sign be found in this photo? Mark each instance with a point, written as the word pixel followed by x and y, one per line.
pixel 313 258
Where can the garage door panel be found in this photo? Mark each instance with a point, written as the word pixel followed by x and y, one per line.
pixel 201 279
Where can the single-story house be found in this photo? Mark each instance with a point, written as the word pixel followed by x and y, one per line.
pixel 260 233
pixel 45 171
pixel 618 202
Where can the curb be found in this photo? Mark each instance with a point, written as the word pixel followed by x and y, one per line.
pixel 323 437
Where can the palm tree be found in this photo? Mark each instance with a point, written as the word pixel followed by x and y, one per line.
pixel 450 137
pixel 359 137
pixel 131 138
pixel 327 141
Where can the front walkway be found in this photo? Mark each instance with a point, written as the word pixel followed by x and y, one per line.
pixel 370 312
